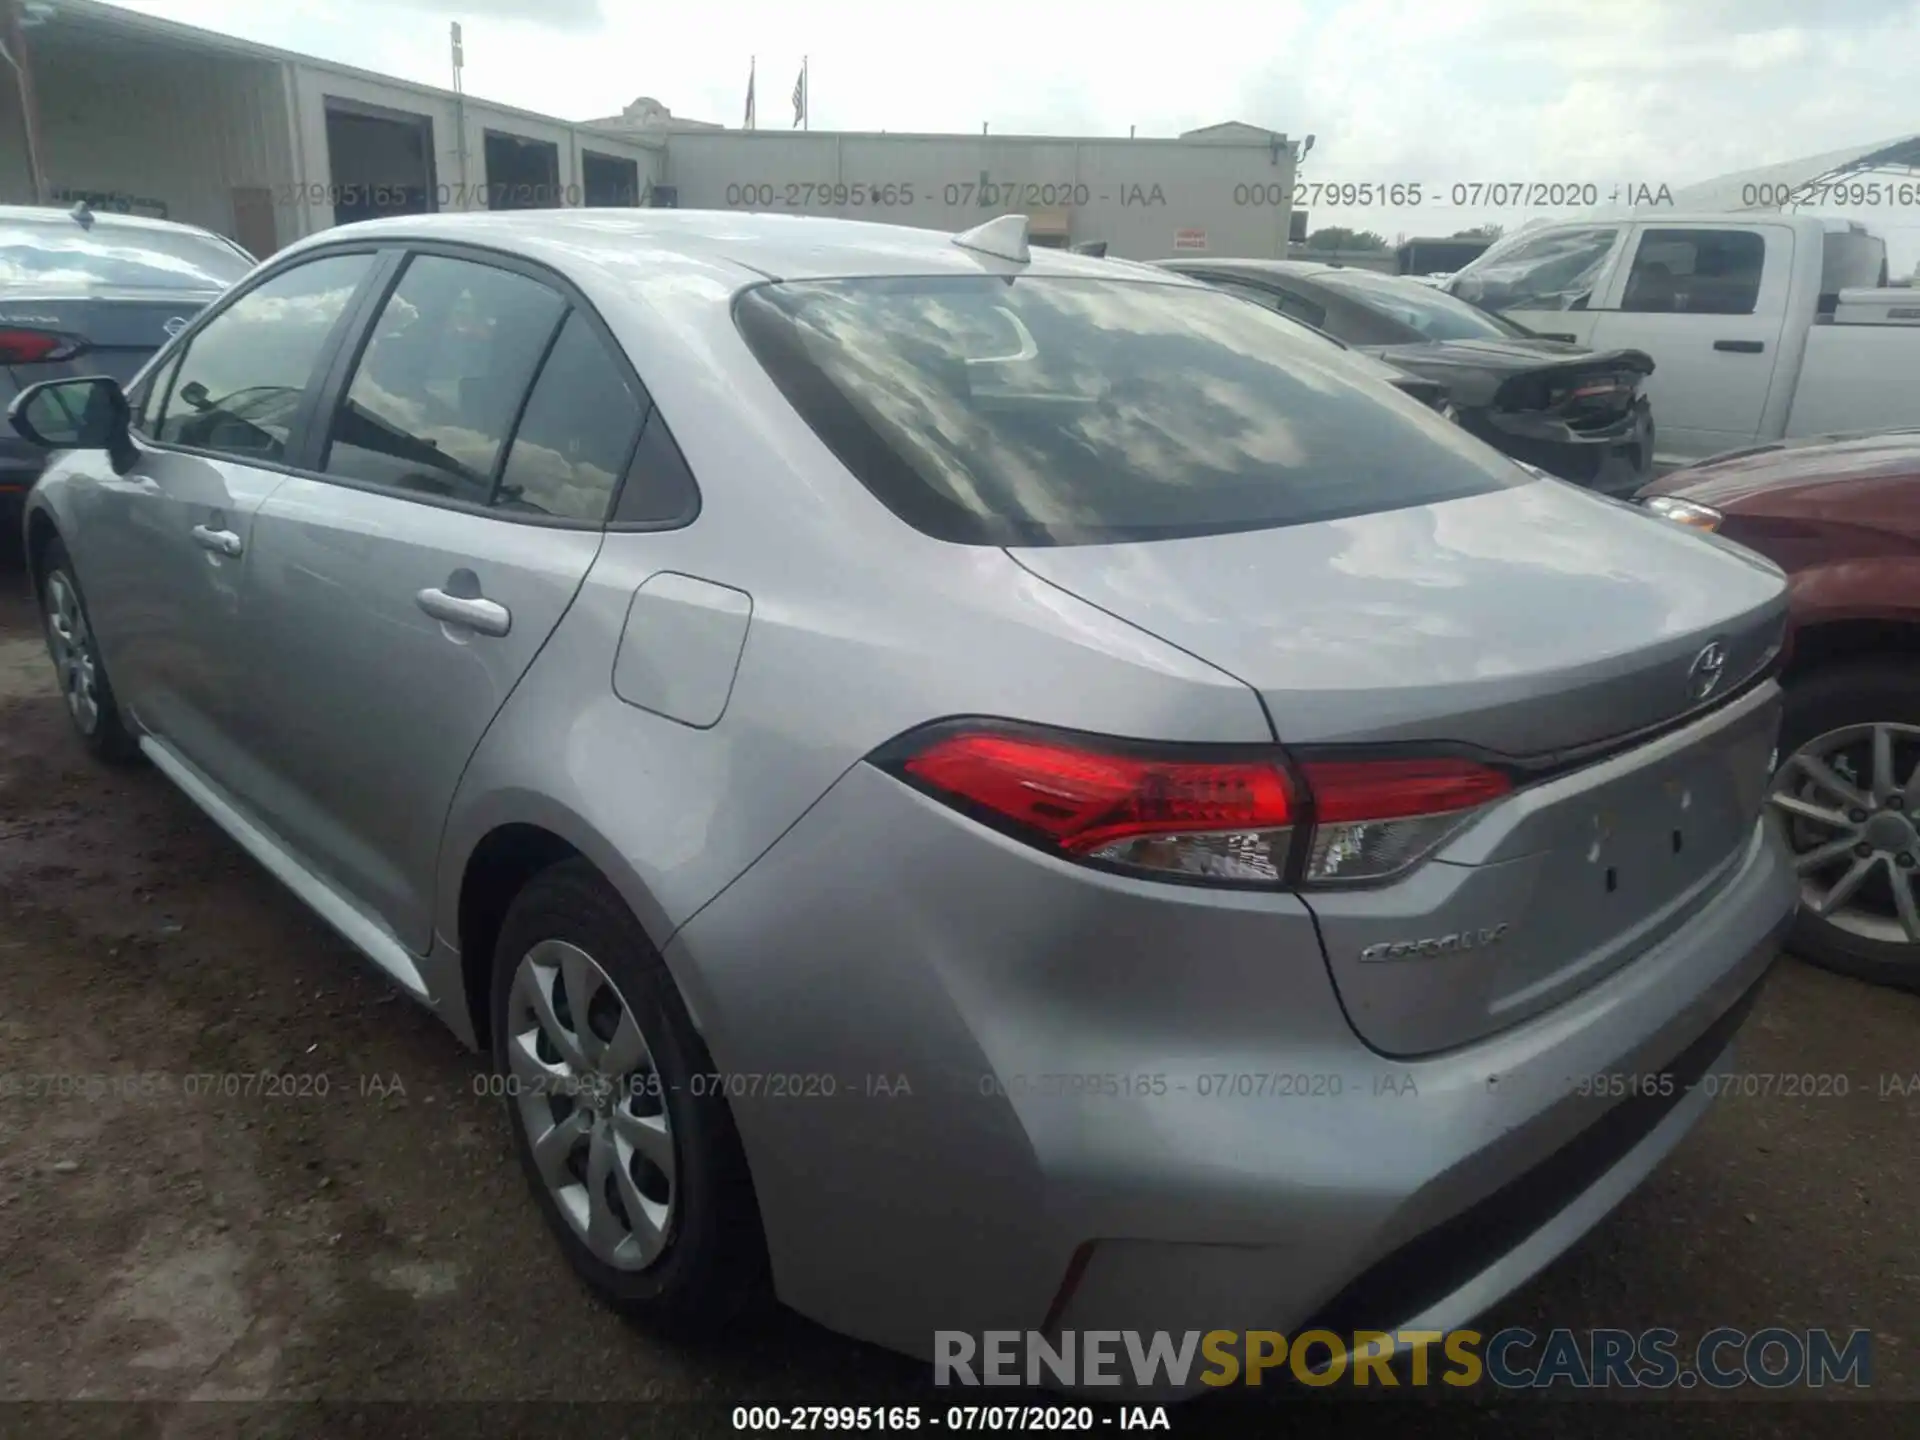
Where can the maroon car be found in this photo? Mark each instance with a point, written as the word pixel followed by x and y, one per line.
pixel 1842 518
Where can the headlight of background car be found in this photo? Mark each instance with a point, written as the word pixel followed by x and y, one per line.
pixel 1684 512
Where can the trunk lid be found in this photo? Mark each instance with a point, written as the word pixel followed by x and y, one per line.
pixel 1541 623
pixel 1524 622
pixel 1587 388
pixel 121 331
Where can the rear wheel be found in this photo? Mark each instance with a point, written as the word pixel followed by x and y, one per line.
pixel 76 661
pixel 1848 791
pixel 624 1135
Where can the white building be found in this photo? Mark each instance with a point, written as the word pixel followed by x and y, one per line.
pixel 266 146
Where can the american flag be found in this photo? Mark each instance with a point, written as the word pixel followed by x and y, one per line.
pixel 800 95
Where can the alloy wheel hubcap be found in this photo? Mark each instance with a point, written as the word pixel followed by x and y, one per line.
pixel 591 1101
pixel 71 644
pixel 1848 798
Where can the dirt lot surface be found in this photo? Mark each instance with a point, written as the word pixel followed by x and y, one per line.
pixel 297 1253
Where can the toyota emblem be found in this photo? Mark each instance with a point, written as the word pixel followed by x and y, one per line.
pixel 175 326
pixel 1703 676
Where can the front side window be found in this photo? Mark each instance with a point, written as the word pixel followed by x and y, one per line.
pixel 1131 411
pixel 1556 271
pixel 1696 272
pixel 442 379
pixel 239 385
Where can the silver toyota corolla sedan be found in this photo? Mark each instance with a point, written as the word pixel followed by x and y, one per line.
pixel 961 788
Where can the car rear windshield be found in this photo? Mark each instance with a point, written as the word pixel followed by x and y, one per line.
pixel 1060 411
pixel 1433 313
pixel 47 255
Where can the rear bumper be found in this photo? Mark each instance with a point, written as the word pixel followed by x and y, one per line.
pixel 1467 1189
pixel 1616 461
pixel 1158 1079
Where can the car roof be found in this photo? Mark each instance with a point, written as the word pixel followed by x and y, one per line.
pixel 108 220
pixel 758 246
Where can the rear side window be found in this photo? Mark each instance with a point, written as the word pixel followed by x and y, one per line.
pixel 1294 307
pixel 1406 312
pixel 1053 411
pixel 442 379
pixel 239 385
pixel 577 432
pixel 1696 272
pixel 659 492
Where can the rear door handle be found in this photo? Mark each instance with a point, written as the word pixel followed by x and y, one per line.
pixel 1741 347
pixel 221 542
pixel 476 612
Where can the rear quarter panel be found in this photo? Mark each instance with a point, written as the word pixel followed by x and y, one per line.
pixel 1856 377
pixel 860 628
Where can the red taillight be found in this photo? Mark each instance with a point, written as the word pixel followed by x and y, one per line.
pixel 1228 819
pixel 1353 790
pixel 1084 799
pixel 1374 819
pixel 33 347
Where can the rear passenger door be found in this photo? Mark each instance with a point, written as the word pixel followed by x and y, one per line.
pixel 472 443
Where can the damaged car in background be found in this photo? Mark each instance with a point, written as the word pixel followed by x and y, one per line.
pixel 1576 413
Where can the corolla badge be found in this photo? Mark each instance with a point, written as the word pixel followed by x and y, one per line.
pixel 175 325
pixel 1479 938
pixel 1703 676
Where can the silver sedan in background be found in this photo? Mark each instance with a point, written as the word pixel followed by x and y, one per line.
pixel 960 787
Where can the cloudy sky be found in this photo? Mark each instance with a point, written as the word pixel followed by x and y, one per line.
pixel 1608 91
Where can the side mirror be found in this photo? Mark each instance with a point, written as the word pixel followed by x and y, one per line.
pixel 87 414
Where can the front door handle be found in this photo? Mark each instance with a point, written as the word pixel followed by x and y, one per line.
pixel 221 542
pixel 474 612
pixel 1741 347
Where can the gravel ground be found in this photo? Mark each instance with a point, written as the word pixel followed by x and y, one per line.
pixel 356 1254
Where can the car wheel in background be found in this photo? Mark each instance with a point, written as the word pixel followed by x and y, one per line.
pixel 76 661
pixel 618 1117
pixel 1848 792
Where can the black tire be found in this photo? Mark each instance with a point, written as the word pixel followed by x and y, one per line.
pixel 1853 692
pixel 107 736
pixel 713 1268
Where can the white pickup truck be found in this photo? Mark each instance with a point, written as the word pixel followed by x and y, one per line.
pixel 1762 326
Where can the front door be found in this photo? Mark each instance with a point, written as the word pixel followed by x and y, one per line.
pixel 1709 303
pixel 397 599
pixel 168 547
